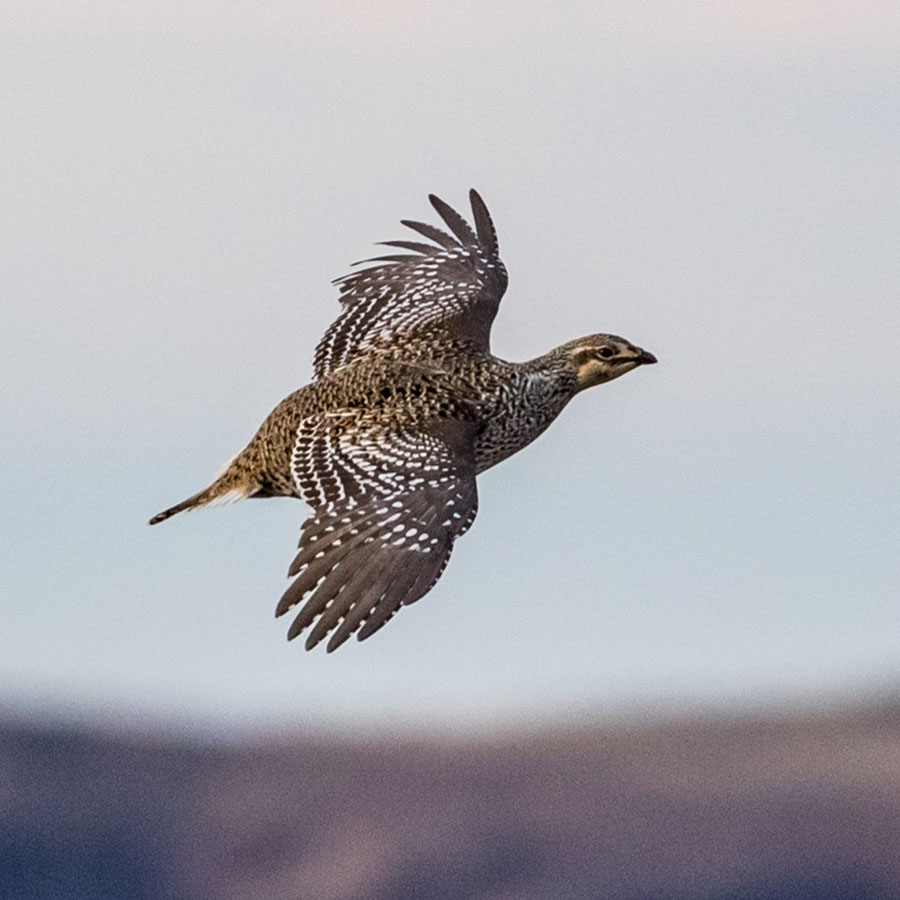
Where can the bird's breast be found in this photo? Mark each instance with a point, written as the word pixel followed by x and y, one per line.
pixel 514 414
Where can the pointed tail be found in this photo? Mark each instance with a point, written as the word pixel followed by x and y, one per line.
pixel 230 485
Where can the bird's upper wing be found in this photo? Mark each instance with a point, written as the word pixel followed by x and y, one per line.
pixel 435 294
pixel 388 500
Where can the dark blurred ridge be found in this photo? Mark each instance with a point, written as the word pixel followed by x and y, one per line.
pixel 804 808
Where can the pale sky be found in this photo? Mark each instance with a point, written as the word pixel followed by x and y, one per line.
pixel 718 184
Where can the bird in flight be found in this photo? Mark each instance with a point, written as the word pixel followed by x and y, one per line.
pixel 408 405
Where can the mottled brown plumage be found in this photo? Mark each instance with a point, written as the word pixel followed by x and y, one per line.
pixel 408 405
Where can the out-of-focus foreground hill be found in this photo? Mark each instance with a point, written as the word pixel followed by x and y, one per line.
pixel 803 808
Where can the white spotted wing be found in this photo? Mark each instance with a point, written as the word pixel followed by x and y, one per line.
pixel 388 500
pixel 440 293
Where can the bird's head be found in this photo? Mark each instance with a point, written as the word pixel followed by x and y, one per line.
pixel 601 357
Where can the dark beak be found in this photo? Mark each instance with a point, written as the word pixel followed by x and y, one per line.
pixel 645 359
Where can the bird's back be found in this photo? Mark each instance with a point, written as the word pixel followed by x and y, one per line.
pixel 374 390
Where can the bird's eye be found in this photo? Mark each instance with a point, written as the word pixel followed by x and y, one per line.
pixel 605 352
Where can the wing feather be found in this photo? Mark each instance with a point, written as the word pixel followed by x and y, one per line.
pixel 415 246
pixel 432 233
pixel 487 234
pixel 443 295
pixel 380 534
pixel 455 222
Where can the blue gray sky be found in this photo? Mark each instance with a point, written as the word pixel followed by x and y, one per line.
pixel 719 185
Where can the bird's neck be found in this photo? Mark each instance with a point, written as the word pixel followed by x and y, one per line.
pixel 553 372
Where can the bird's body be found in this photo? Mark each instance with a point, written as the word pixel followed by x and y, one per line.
pixel 512 403
pixel 407 407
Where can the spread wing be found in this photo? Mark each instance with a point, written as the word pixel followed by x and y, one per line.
pixel 388 500
pixel 443 292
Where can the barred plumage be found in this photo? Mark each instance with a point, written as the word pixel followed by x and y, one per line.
pixel 450 292
pixel 407 406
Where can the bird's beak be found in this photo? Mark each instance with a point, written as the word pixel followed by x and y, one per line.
pixel 645 358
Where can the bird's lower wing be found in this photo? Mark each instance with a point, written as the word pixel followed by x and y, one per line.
pixel 388 500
